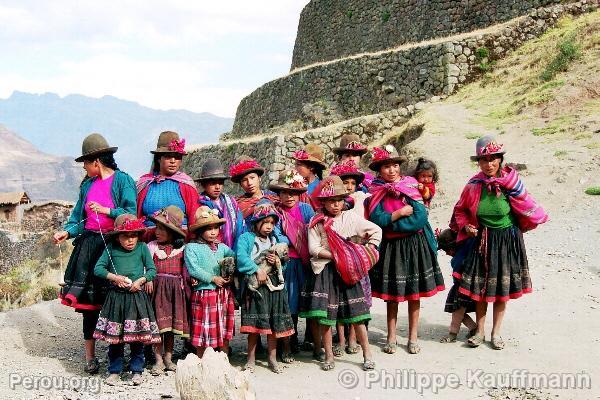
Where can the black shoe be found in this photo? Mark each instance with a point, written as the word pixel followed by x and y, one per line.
pixel 92 366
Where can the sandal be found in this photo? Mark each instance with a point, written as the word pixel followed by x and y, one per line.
pixel 319 356
pixel 413 347
pixel 476 340
pixel 157 370
pixel 170 366
pixel 368 365
pixel 287 358
pixel 471 333
pixel 497 343
pixel 112 380
pixel 328 365
pixel 450 338
pixel 337 351
pixel 390 348
pixel 137 379
pixel 353 349
pixel 92 366
pixel 249 367
pixel 275 367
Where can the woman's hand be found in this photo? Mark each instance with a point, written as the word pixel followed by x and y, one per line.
pixel 271 258
pixel 137 285
pixel 94 206
pixel 405 211
pixel 220 281
pixel 60 237
pixel 261 276
pixel 149 287
pixel 471 230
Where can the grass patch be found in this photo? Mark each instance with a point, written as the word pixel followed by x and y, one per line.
pixel 568 51
pixel 560 153
pixel 349 13
pixel 385 16
pixel 593 146
pixel 473 136
pixel 593 190
pixel 583 136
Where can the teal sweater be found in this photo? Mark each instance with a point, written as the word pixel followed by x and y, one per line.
pixel 203 263
pixel 243 249
pixel 124 197
pixel 133 264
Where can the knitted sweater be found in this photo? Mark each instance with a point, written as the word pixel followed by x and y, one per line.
pixel 133 264
pixel 123 193
pixel 203 263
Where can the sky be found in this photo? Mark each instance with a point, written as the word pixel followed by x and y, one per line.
pixel 202 56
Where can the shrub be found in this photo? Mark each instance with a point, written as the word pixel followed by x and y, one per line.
pixel 385 16
pixel 49 292
pixel 594 190
pixel 568 51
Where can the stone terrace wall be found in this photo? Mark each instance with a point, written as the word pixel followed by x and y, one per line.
pixel 372 84
pixel 330 29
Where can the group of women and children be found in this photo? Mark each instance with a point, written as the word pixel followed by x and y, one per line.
pixel 174 255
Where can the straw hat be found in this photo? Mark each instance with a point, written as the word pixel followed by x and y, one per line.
pixel 312 153
pixel 206 216
pixel 350 143
pixel 244 166
pixel 348 169
pixel 385 155
pixel 169 142
pixel 212 169
pixel 487 146
pixel 289 181
pixel 125 223
pixel 171 217
pixel 330 188
pixel 94 144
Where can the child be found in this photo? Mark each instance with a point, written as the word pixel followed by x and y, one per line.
pixel 168 289
pixel 295 216
pixel 127 315
pixel 327 296
pixel 457 304
pixel 212 301
pixel 350 149
pixel 310 164
pixel 263 312
pixel 426 174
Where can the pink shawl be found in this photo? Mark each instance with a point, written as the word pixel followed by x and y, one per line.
pixel 146 179
pixel 406 186
pixel 296 231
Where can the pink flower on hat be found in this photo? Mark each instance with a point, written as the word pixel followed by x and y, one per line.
pixel 242 167
pixel 132 225
pixel 300 155
pixel 177 146
pixel 380 154
pixel 342 168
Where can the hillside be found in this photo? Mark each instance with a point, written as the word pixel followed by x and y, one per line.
pixel 41 175
pixel 58 125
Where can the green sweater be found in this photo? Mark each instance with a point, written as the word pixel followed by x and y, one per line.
pixel 494 212
pixel 203 263
pixel 133 264
pixel 124 197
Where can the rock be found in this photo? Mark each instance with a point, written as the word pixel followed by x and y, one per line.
pixel 211 378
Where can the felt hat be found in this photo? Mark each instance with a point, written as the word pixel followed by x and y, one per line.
pixel 206 216
pixel 126 223
pixel 487 146
pixel 244 166
pixel 385 155
pixel 330 188
pixel 348 169
pixel 212 169
pixel 169 142
pixel 289 181
pixel 264 208
pixel 350 143
pixel 312 153
pixel 171 217
pixel 94 144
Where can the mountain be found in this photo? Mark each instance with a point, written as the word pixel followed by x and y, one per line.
pixel 58 125
pixel 42 176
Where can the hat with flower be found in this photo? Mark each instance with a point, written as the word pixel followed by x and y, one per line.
pixel 244 166
pixel 385 155
pixel 126 223
pixel 312 153
pixel 264 208
pixel 486 146
pixel 330 188
pixel 206 216
pixel 350 143
pixel 169 142
pixel 348 169
pixel 289 181
pixel 171 217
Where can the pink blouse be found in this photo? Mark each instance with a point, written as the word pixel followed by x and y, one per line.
pixel 100 192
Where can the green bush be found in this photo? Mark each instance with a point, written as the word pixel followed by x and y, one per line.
pixel 49 292
pixel 349 13
pixel 385 16
pixel 594 190
pixel 568 51
pixel 482 52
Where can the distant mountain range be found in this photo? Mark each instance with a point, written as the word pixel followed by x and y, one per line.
pixel 44 177
pixel 57 125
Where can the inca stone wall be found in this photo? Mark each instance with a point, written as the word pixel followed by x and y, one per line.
pixel 376 83
pixel 330 29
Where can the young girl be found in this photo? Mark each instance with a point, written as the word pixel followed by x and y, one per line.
pixel 263 312
pixel 295 217
pixel 212 301
pixel 426 174
pixel 168 289
pixel 327 297
pixel 351 149
pixel 105 193
pixel 407 269
pixel 310 165
pixel 127 315
pixel 456 304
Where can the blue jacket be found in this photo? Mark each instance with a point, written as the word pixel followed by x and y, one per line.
pixel 243 250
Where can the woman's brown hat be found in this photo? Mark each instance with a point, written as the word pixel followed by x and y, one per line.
pixel 171 217
pixel 169 142
pixel 350 143
pixel 94 144
pixel 331 187
pixel 387 154
pixel 312 153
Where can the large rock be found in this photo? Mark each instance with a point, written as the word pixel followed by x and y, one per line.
pixel 211 378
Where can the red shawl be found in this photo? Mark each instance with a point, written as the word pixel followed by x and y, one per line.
pixel 528 212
